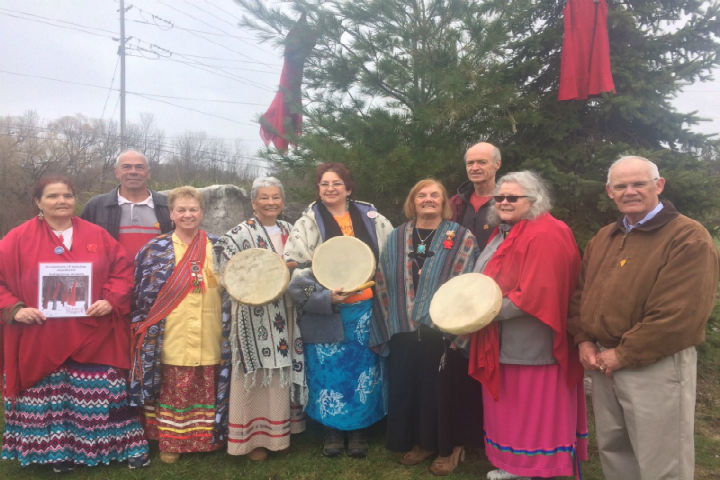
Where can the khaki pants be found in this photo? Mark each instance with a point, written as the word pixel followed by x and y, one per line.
pixel 644 419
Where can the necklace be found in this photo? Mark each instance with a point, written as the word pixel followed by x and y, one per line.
pixel 421 248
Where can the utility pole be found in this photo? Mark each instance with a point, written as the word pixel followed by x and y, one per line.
pixel 121 52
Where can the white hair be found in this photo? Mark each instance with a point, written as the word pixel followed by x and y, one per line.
pixel 652 168
pixel 265 182
pixel 533 186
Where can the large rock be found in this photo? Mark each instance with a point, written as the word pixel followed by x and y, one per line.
pixel 228 205
pixel 225 207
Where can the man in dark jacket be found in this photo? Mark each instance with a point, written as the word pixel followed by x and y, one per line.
pixel 472 202
pixel 131 212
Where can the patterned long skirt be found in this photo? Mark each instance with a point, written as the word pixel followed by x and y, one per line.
pixel 538 425
pixel 78 413
pixel 346 380
pixel 262 415
pixel 183 419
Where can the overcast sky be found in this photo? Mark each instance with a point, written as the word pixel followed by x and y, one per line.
pixel 188 64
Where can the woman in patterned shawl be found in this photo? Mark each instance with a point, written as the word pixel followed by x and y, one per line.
pixel 345 379
pixel 181 358
pixel 429 385
pixel 267 388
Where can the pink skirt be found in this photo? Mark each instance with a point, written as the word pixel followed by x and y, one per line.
pixel 538 426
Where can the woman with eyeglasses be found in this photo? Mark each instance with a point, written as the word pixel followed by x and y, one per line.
pixel 345 378
pixel 533 399
pixel 429 396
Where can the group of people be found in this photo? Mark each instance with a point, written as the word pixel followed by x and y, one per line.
pixel 163 353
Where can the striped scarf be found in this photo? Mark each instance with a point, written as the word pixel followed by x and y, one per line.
pixel 176 288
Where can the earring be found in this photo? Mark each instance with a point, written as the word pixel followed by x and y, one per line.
pixel 41 215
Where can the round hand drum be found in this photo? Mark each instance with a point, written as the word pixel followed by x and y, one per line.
pixel 466 303
pixel 256 276
pixel 343 262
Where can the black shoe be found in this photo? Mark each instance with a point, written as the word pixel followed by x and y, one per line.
pixel 334 442
pixel 63 467
pixel 141 461
pixel 358 444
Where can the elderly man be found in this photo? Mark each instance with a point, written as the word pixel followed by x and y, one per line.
pixel 471 204
pixel 132 213
pixel 646 289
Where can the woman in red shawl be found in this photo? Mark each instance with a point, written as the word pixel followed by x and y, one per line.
pixel 65 349
pixel 533 399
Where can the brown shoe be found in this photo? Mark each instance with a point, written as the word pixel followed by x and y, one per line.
pixel 169 457
pixel 446 465
pixel 415 456
pixel 258 455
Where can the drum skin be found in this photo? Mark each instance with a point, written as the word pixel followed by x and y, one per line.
pixel 256 276
pixel 343 262
pixel 466 303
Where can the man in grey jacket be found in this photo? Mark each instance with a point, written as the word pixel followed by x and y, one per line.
pixel 131 212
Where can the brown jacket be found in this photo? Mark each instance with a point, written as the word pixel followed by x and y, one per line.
pixel 648 293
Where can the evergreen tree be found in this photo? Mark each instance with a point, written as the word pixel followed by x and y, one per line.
pixel 398 89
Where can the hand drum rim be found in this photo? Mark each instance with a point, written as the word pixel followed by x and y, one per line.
pixel 257 276
pixel 343 262
pixel 466 303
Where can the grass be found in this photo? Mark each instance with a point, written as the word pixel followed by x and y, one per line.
pixel 304 460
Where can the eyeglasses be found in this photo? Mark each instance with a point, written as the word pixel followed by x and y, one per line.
pixel 333 184
pixel 509 198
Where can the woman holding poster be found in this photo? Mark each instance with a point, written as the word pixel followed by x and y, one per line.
pixel 50 266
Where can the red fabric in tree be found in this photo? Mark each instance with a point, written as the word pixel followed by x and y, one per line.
pixel 283 119
pixel 585 64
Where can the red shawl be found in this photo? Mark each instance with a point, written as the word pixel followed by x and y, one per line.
pixel 537 268
pixel 31 352
pixel 585 62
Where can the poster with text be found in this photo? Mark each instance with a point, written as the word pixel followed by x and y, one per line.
pixel 64 289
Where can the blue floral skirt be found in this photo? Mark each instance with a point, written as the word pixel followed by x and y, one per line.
pixel 346 379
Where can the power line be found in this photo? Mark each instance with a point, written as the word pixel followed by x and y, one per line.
pixel 91 85
pixel 112 82
pixel 30 17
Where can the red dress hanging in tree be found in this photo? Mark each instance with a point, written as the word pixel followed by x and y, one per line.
pixel 585 66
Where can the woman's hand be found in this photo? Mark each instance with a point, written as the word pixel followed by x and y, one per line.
pixel 30 316
pixel 99 308
pixel 338 296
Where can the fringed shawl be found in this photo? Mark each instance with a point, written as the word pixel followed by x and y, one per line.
pixel 402 309
pixel 265 337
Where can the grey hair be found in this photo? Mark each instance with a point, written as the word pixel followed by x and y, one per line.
pixel 533 186
pixel 131 150
pixel 265 182
pixel 496 156
pixel 652 168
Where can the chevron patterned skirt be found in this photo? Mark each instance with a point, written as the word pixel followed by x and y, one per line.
pixel 78 413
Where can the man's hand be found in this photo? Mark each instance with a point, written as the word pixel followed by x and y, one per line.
pixel 609 362
pixel 589 355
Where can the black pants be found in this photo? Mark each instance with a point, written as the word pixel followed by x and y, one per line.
pixel 437 410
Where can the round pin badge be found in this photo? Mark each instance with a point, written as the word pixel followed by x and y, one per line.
pixel 59 250
pixel 372 214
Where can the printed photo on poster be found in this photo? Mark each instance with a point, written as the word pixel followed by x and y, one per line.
pixel 64 289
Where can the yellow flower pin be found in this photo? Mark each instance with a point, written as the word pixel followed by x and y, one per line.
pixel 623 262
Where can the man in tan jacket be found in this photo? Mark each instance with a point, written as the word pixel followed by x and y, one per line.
pixel 647 287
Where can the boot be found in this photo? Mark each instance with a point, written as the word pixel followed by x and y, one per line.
pixel 334 442
pixel 358 444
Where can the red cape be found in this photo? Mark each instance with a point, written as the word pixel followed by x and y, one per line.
pixel 537 268
pixel 31 352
